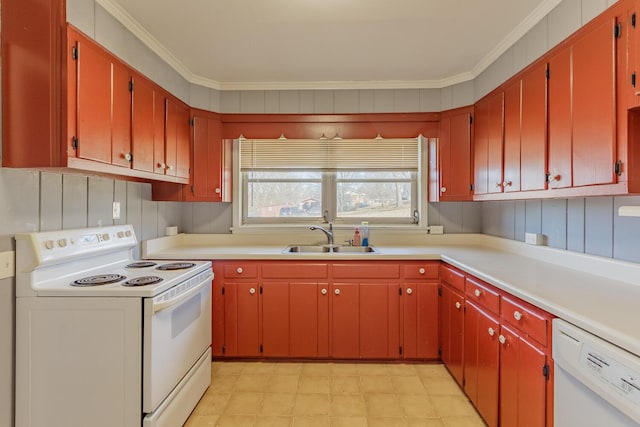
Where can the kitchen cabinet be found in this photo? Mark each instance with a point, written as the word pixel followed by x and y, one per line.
pixel 420 315
pixel 309 320
pixel 177 139
pixel 560 129
pixel 452 321
pixel 533 131
pixel 242 318
pixel 455 144
pixel 512 128
pixel 148 133
pixel 488 143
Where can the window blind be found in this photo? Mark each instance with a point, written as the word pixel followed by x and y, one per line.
pixel 331 154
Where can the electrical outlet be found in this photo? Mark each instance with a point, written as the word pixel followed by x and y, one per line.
pixel 534 238
pixel 436 229
pixel 7 264
pixel 116 210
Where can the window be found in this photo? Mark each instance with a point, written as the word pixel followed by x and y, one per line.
pixel 303 181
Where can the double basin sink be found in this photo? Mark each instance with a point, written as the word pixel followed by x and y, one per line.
pixel 329 249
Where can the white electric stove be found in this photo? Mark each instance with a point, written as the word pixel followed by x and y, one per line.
pixel 106 340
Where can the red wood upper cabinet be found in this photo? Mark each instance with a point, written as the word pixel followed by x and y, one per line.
pixel 177 139
pixel 533 134
pixel 512 126
pixel 420 320
pixel 147 144
pixel 488 143
pixel 481 147
pixel 455 155
pixel 121 115
pixel 560 112
pixel 594 104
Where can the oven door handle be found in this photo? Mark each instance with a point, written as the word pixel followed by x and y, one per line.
pixel 159 306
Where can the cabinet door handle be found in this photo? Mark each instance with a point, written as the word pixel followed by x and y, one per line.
pixel 517 315
pixel 323 291
pixel 477 292
pixel 409 291
pixel 169 167
pixel 337 292
pixel 507 184
pixel 458 305
pixel 553 178
pixel 502 339
pixel 492 331
pixel 421 271
pixel 128 157
pixel 252 291
pixel 498 185
pixel 161 166
pixel 239 270
pixel 443 189
pixel 218 191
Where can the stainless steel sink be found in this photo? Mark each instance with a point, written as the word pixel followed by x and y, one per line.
pixel 328 249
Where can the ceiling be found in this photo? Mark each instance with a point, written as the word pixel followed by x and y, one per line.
pixel 298 44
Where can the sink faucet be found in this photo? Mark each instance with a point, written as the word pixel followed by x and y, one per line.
pixel 328 233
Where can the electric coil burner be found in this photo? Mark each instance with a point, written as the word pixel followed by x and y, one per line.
pixel 102 279
pixel 175 266
pixel 141 264
pixel 143 281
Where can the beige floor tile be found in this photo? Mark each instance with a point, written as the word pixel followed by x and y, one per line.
pixel 313 384
pixel 341 369
pixel 227 368
pixel 373 369
pixel 343 405
pixel 424 422
pixel 417 406
pixel 283 384
pixel 311 404
pixel 278 404
pixel 252 382
pixel 212 403
pixel 311 421
pixel 376 384
pixel 271 421
pixel 474 421
pixel 408 385
pixel 452 406
pixel 402 370
pixel 345 385
pixel 223 383
pixel 201 421
pixel 433 370
pixel 323 369
pixel 386 422
pixel 259 368
pixel 244 403
pixel 442 386
pixel 383 405
pixel 348 421
pixel 236 421
pixel 285 368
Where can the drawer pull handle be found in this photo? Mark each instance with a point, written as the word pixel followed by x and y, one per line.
pixel 337 291
pixel 517 315
pixel 252 291
pixel 492 331
pixel 477 292
pixel 458 305
pixel 421 271
pixel 409 291
pixel 502 339
pixel 323 292
pixel 443 189
pixel 239 270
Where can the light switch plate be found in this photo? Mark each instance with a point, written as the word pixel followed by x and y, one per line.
pixel 116 210
pixel 7 264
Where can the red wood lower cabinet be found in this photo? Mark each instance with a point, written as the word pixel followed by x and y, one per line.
pixel 523 386
pixel 345 320
pixel 420 317
pixel 379 321
pixel 275 319
pixel 481 361
pixel 242 320
pixel 217 318
pixel 451 331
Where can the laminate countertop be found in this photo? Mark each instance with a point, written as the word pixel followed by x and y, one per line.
pixel 598 294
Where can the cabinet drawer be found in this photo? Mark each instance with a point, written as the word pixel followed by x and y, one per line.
pixel 241 270
pixel 452 277
pixel 377 270
pixel 482 294
pixel 423 270
pixel 294 270
pixel 527 319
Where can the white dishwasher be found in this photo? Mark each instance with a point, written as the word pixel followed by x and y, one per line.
pixel 596 383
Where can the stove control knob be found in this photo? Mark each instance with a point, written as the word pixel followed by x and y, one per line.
pixel 48 244
pixel 62 243
pixel 120 234
pixel 105 236
pixel 128 233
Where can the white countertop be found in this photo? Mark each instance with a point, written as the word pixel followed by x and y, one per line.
pixel 597 294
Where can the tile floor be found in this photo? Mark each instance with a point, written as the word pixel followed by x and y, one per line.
pixel 259 394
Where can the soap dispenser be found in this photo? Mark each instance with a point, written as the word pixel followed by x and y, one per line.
pixel 356 237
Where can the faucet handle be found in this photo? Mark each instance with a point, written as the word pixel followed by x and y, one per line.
pixel 330 225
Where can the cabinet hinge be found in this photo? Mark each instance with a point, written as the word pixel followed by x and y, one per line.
pixel 633 19
pixel 470 187
pixel 260 348
pixel 547 74
pixel 74 53
pixel 633 79
pixel 192 189
pixel 260 290
pixel 223 290
pixel 130 86
pixel 399 291
pixel 546 371
pixel 439 292
pixel 223 350
pixel 74 143
pixel 617 30
pixel 464 310
pixel 192 122
pixel 617 168
pixel 439 351
pixel 470 120
pixel 400 350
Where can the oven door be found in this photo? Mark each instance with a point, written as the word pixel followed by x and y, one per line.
pixel 176 333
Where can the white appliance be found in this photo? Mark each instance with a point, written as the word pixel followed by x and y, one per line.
pixel 103 340
pixel 595 382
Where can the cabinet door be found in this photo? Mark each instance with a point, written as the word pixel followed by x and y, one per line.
pixel 487 373
pixel 211 161
pixel 533 137
pixel 121 116
pixel 495 143
pixel 379 321
pixel 345 321
pixel 177 140
pixel 309 311
pixel 420 320
pixel 560 132
pixel 275 318
pixel 522 383
pixel 144 125
pixel 217 318
pixel 481 147
pixel 451 332
pixel 594 103
pixel 455 156
pixel 512 121
pixel 242 321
